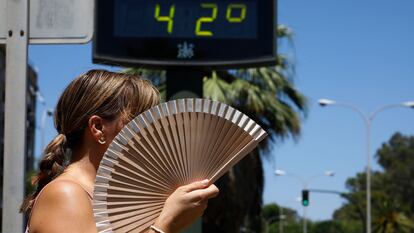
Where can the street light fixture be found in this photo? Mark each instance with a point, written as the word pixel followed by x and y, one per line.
pixel 324 102
pixel 367 119
pixel 280 172
pixel 409 104
pixel 305 184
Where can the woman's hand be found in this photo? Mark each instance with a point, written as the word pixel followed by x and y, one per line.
pixel 185 205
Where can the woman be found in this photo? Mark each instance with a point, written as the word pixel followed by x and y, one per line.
pixel 89 114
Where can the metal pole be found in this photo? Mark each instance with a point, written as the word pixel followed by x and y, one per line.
pixel 281 218
pixel 42 129
pixel 305 228
pixel 368 125
pixel 46 112
pixel 267 226
pixel 15 113
pixel 367 121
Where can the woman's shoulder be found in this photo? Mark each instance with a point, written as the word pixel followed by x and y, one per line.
pixel 62 191
pixel 59 205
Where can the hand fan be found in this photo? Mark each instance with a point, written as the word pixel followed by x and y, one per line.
pixel 167 146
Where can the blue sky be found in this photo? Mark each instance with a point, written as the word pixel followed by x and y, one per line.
pixel 353 51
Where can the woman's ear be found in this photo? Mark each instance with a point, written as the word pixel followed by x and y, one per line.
pixel 96 128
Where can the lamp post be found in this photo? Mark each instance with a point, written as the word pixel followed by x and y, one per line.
pixel 46 112
pixel 367 119
pixel 305 184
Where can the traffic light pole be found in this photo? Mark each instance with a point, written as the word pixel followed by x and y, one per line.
pixel 305 203
pixel 305 222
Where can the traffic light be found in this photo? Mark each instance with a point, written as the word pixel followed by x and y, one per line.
pixel 305 197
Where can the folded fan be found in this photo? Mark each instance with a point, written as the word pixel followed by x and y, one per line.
pixel 167 146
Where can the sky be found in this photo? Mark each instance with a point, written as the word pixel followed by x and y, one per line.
pixel 353 51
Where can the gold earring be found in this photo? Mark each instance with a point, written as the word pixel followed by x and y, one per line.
pixel 102 140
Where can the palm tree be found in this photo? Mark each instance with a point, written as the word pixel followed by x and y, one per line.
pixel 388 218
pixel 268 96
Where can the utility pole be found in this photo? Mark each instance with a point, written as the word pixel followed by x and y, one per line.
pixel 15 113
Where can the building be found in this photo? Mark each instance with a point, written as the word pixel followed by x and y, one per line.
pixel 31 117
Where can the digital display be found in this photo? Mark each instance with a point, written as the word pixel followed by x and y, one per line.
pixel 185 19
pixel 185 33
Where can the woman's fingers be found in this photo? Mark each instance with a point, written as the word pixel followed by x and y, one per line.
pixel 186 204
pixel 212 191
pixel 204 194
pixel 195 186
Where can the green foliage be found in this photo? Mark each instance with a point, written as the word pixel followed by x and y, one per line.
pixel 274 216
pixel 336 227
pixel 292 223
pixel 392 189
pixel 327 226
pixel 29 187
pixel 352 226
pixel 397 159
pixel 271 212
pixel 288 226
pixel 292 227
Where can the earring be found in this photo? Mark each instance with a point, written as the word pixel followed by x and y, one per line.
pixel 102 140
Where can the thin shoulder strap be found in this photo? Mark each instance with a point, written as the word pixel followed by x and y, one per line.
pixel 84 189
pixel 82 186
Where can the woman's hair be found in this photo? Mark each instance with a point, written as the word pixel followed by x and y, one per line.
pixel 97 92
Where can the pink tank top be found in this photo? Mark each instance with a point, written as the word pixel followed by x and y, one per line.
pixel 34 204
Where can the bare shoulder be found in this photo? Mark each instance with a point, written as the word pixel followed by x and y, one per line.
pixel 63 206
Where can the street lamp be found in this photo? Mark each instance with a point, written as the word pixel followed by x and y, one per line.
pixel 409 104
pixel 367 119
pixel 305 184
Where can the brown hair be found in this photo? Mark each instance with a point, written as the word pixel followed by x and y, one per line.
pixel 97 92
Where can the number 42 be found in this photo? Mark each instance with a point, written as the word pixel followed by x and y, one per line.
pixel 202 20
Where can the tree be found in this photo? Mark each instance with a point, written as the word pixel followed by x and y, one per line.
pixel 392 188
pixel 327 226
pixel 268 96
pixel 388 217
pixel 336 227
pixel 271 212
pixel 397 159
pixel 272 219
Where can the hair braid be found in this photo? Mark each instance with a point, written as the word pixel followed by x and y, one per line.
pixel 50 166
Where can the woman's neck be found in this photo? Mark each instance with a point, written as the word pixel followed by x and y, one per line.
pixel 83 167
